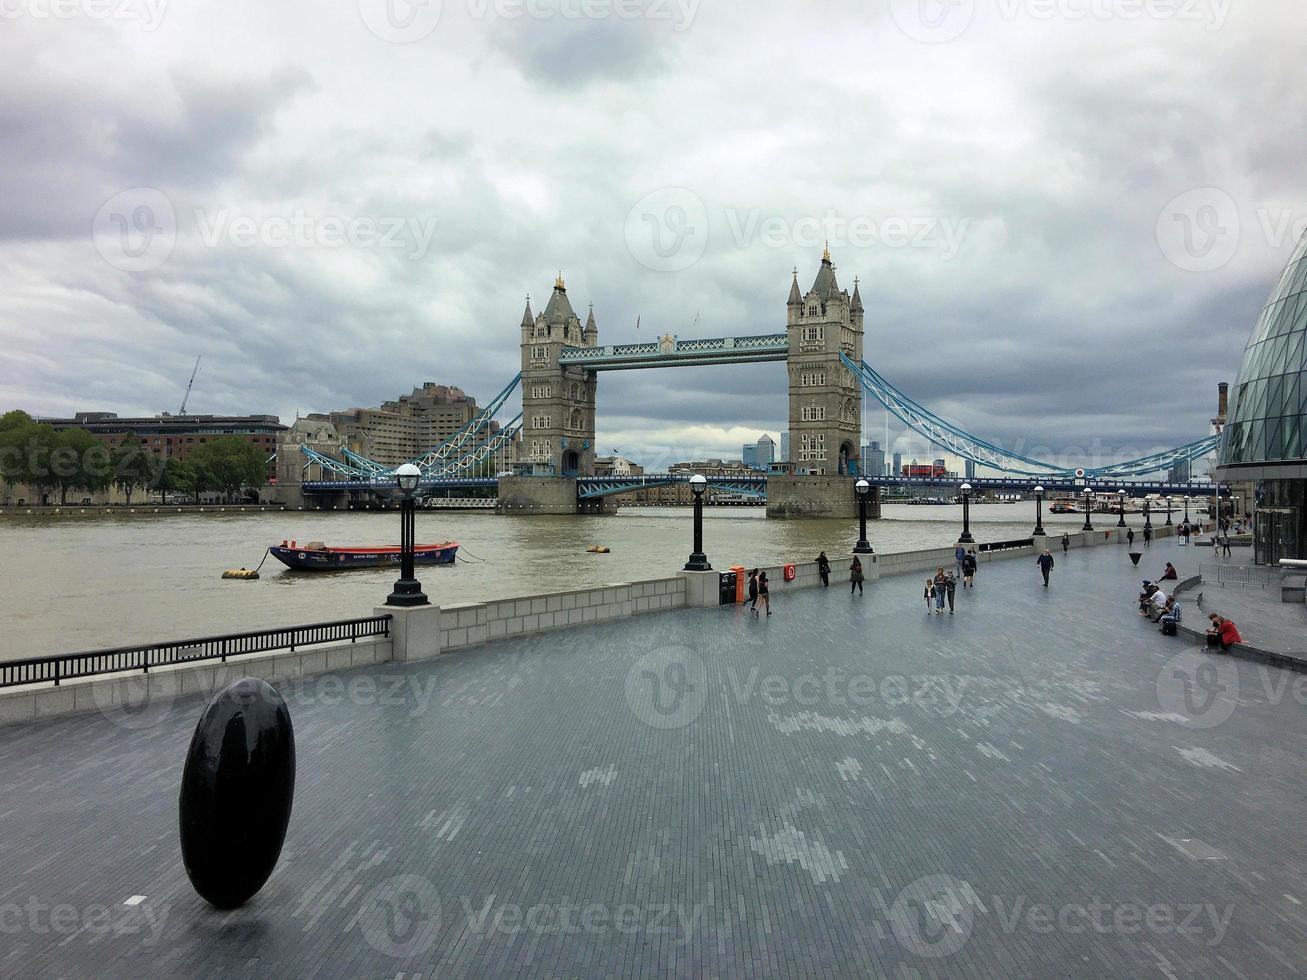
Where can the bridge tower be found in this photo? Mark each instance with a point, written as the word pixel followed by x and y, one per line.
pixel 558 403
pixel 825 400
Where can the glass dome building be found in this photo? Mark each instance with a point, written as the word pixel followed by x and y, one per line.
pixel 1264 440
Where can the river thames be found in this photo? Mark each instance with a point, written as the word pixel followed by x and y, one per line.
pixel 72 584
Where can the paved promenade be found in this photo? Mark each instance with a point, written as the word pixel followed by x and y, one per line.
pixel 1040 785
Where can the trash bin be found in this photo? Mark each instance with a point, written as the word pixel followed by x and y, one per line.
pixel 728 585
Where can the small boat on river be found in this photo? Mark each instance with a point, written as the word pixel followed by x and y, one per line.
pixel 317 557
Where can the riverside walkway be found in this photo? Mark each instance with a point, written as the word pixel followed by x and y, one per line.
pixel 1040 785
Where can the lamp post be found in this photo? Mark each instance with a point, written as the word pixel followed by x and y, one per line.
pixel 1186 508
pixel 1148 513
pixel 1120 496
pixel 863 547
pixel 1168 509
pixel 966 516
pixel 698 560
pixel 1089 500
pixel 408 590
pixel 1039 511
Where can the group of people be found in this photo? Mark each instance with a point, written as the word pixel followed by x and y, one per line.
pixel 1163 609
pixel 758 590
pixel 1130 536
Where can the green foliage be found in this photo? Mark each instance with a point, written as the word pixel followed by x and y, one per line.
pixel 133 467
pixel 228 465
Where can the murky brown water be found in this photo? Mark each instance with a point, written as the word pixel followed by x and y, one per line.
pixel 70 584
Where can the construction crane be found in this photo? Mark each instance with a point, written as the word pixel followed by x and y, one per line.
pixel 187 397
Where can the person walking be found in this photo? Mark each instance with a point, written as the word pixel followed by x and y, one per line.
pixel 1066 543
pixel 753 591
pixel 1148 536
pixel 959 554
pixel 1045 563
pixel 855 576
pixel 763 593
pixel 969 569
pixel 930 595
pixel 940 589
pixel 950 585
pixel 1225 545
pixel 1130 537
pixel 823 569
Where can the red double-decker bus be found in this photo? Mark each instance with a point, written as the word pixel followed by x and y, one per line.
pixel 925 469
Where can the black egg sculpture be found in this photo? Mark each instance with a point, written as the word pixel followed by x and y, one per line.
pixel 237 791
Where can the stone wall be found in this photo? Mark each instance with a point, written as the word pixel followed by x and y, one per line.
pixel 817 496
pixel 528 495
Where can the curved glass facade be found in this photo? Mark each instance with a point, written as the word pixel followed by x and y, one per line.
pixel 1268 406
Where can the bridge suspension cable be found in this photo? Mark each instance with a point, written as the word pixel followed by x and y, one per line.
pixel 962 443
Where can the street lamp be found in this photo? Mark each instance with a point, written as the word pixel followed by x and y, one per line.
pixel 408 590
pixel 1168 509
pixel 1148 513
pixel 863 547
pixel 698 560
pixel 1120 496
pixel 966 515
pixel 1186 508
pixel 1089 499
pixel 1039 511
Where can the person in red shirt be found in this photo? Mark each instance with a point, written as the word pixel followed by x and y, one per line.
pixel 1224 631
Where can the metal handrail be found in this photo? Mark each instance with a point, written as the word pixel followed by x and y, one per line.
pixel 1239 574
pixel 115 660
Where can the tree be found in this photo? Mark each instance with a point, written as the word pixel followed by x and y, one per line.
pixel 177 476
pixel 229 464
pixel 78 461
pixel 26 447
pixel 133 466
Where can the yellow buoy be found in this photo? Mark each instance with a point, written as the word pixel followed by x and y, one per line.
pixel 240 573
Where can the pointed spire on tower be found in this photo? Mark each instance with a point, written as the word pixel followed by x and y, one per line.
pixel 796 299
pixel 527 318
pixel 825 254
pixel 856 305
pixel 590 320
pixel 558 283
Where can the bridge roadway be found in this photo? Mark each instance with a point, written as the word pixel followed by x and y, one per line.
pixel 591 487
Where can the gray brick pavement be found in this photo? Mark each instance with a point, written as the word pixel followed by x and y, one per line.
pixel 1040 785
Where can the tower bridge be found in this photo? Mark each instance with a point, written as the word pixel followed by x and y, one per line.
pixel 822 347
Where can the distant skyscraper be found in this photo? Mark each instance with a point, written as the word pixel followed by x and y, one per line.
pixel 873 460
pixel 785 446
pixel 1179 473
pixel 761 454
pixel 971 469
pixel 898 464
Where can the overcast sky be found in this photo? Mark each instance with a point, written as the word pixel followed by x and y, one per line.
pixel 1065 214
